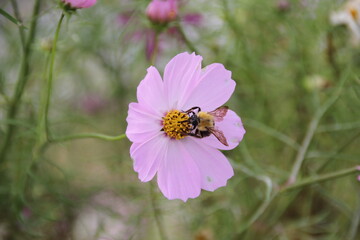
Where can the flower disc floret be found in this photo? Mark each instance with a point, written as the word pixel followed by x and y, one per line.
pixel 176 125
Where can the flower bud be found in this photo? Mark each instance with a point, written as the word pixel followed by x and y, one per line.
pixel 75 4
pixel 162 11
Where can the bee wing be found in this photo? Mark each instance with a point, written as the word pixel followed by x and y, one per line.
pixel 219 113
pixel 219 135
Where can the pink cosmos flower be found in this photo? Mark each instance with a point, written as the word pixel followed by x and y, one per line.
pixel 80 3
pixel 159 127
pixel 162 11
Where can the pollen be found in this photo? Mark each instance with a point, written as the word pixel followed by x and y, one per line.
pixel 176 125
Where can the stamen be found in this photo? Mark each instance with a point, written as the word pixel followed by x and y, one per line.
pixel 176 125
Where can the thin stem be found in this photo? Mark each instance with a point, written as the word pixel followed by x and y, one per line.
pixel 40 132
pixel 21 83
pixel 157 213
pixel 321 178
pixel 338 127
pixel 300 157
pixel 18 17
pixel 331 55
pixel 248 159
pixel 259 211
pixel 87 135
pixel 269 196
pixel 156 49
pixel 186 40
pixel 274 133
pixel 49 84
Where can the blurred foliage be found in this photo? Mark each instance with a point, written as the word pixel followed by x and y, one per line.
pixel 287 61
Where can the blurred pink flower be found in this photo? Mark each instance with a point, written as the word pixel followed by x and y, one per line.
pixel 152 41
pixel 192 19
pixel 162 11
pixel 161 138
pixel 80 3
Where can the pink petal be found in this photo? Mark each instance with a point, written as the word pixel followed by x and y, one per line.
pixel 88 3
pixel 214 168
pixel 148 156
pixel 213 90
pixel 150 91
pixel 178 175
pixel 143 123
pixel 233 130
pixel 180 76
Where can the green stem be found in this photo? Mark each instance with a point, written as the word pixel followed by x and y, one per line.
pixel 321 178
pixel 340 149
pixel 338 127
pixel 20 24
pixel 156 49
pixel 157 213
pixel 87 135
pixel 49 84
pixel 272 132
pixel 300 157
pixel 186 40
pixel 269 196
pixel 20 85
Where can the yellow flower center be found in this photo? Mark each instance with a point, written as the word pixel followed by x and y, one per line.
pixel 354 13
pixel 176 124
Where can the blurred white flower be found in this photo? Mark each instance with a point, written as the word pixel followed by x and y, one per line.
pixel 349 15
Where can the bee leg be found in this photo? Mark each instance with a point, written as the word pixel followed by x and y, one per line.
pixel 194 135
pixel 197 134
pixel 191 110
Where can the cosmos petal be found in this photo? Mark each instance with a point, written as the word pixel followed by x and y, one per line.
pixel 179 176
pixel 150 91
pixel 213 89
pixel 143 123
pixel 180 76
pixel 148 156
pixel 233 130
pixel 214 168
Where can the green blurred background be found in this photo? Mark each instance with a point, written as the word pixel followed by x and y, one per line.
pixel 287 60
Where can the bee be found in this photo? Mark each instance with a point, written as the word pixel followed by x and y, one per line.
pixel 203 123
